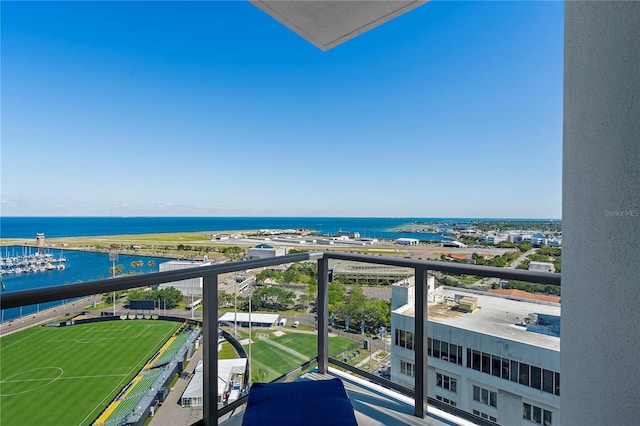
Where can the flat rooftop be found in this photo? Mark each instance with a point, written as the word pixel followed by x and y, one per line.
pixel 495 316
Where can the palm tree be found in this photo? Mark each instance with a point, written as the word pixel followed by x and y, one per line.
pixel 151 264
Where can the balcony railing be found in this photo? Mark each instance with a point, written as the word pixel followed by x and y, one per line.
pixel 210 275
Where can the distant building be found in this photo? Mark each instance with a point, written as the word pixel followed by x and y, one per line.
pixel 231 377
pixel 521 294
pixel 408 241
pixel 541 267
pixel 262 251
pixel 349 234
pixel 40 241
pixel 493 238
pixel 456 244
pixel 188 287
pixel 243 318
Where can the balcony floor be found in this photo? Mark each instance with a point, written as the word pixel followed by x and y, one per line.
pixel 375 405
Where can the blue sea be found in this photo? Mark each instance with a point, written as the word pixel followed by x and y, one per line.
pixel 27 227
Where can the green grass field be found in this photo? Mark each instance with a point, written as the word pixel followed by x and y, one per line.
pixel 274 355
pixel 68 375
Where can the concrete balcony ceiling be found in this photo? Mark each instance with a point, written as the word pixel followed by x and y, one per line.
pixel 327 24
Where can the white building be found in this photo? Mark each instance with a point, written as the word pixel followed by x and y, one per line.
pixel 349 234
pixel 231 374
pixel 541 267
pixel 187 287
pixel 408 241
pixel 499 359
pixel 455 244
pixel 242 319
pixel 494 238
pixel 262 251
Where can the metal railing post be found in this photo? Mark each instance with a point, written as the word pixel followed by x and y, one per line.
pixel 323 315
pixel 420 343
pixel 210 349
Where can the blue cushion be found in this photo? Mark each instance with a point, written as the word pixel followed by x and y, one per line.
pixel 308 403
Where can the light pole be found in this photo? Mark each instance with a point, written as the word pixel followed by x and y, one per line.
pixel 113 257
pixel 249 331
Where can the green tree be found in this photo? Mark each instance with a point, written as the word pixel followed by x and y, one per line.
pixel 336 296
pixel 171 296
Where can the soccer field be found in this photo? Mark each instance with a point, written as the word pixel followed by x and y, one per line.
pixel 274 355
pixel 68 375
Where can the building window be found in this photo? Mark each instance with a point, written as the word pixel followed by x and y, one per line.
pixel 476 360
pixel 505 368
pixel 536 377
pixel 407 368
pixel 485 396
pixel 444 351
pixel 446 401
pixel 517 372
pixel 524 374
pixel 404 339
pixel 514 371
pixel 486 363
pixel 536 415
pixel 445 382
pixel 485 416
pixel 495 365
pixel 453 353
pixel 547 381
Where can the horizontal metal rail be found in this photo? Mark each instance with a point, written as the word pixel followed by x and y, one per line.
pixel 451 267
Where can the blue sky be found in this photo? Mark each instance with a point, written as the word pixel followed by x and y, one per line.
pixel 215 109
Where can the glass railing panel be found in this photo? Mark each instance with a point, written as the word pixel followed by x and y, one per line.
pixel 270 312
pixel 478 326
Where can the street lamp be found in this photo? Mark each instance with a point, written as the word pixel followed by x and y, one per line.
pixel 249 330
pixel 113 257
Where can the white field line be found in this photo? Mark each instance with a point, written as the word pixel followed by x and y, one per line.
pixel 20 340
pixel 286 349
pixel 62 378
pixel 101 339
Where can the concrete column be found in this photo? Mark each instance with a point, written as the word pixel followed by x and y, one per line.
pixel 600 346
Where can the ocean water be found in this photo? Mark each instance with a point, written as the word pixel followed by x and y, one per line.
pixel 27 227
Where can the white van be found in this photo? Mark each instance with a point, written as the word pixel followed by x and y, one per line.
pixel 283 322
pixel 295 324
